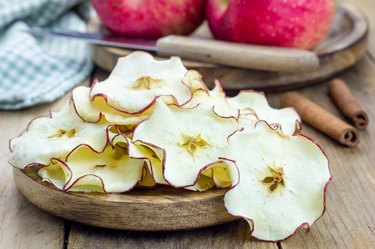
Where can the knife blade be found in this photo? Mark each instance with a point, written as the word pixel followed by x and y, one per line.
pixel 99 39
pixel 276 59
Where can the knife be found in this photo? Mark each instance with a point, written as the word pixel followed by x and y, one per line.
pixel 276 59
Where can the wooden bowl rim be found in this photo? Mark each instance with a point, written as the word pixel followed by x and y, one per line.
pixel 161 198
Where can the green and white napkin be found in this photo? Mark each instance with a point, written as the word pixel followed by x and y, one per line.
pixel 36 70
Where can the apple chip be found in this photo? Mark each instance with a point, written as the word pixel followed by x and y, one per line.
pixel 191 140
pixel 55 174
pixel 112 170
pixel 216 175
pixel 153 158
pixel 215 100
pixel 138 80
pixel 221 176
pixel 193 79
pixel 58 174
pixel 147 179
pixel 286 120
pixel 94 111
pixel 204 183
pixel 248 119
pixel 55 136
pixel 88 184
pixel 122 140
pixel 282 181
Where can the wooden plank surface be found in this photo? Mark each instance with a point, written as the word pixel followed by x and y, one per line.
pixel 348 223
pixel 350 218
pixel 22 225
pixel 231 235
pixel 368 7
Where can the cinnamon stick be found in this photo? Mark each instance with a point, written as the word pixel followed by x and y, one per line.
pixel 347 103
pixel 321 119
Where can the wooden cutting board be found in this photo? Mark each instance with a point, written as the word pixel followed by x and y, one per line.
pixel 159 209
pixel 342 48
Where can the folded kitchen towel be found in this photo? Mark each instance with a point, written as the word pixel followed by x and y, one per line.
pixel 37 70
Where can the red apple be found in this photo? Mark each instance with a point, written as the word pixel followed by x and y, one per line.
pixel 287 23
pixel 150 18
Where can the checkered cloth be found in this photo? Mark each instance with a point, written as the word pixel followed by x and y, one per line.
pixel 39 70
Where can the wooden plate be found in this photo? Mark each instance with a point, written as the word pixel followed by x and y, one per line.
pixel 140 210
pixel 342 48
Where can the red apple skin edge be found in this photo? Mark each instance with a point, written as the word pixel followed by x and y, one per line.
pixel 286 23
pixel 150 18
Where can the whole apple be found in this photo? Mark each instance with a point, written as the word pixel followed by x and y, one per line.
pixel 287 23
pixel 150 18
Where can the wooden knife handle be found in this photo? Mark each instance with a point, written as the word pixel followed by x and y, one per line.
pixel 266 58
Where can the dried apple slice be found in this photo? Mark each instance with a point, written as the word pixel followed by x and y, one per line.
pixel 88 184
pixel 221 176
pixel 224 174
pixel 120 139
pixel 55 174
pixel 194 80
pixel 147 179
pixel 191 140
pixel 286 120
pixel 151 156
pixel 214 99
pixel 137 81
pixel 204 183
pixel 59 175
pixel 55 136
pixel 248 119
pixel 282 182
pixel 112 170
pixel 217 175
pixel 95 110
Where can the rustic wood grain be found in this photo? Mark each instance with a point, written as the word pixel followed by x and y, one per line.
pixel 159 209
pixel 274 59
pixel 348 223
pixel 231 235
pixel 350 218
pixel 340 50
pixel 22 225
pixel 367 7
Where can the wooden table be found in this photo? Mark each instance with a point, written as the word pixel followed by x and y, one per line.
pixel 348 223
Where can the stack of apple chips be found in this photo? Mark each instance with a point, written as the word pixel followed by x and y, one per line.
pixel 154 122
